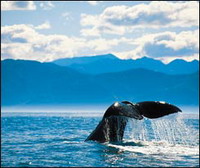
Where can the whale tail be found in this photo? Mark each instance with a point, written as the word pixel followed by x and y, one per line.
pixel 156 109
pixel 111 127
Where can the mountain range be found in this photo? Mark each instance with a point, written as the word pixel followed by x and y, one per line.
pixel 111 63
pixel 34 83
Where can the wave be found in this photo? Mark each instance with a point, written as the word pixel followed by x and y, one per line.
pixel 156 147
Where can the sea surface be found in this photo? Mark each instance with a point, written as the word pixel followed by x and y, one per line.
pixel 57 139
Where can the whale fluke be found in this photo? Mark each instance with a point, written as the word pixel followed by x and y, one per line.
pixel 156 109
pixel 111 127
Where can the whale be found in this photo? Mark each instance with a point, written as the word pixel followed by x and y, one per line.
pixel 111 127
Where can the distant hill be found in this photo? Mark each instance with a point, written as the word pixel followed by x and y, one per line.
pixel 110 63
pixel 142 84
pixel 31 82
pixel 34 83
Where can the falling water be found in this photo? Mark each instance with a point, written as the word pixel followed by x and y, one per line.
pixel 171 129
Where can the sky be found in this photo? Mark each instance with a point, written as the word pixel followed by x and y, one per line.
pixel 49 30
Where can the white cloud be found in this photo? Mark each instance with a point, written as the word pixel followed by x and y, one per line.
pixel 185 39
pixel 25 42
pixel 17 5
pixel 16 50
pixel 165 46
pixel 91 32
pixel 169 43
pixel 97 26
pixel 89 20
pixel 45 25
pixel 156 14
pixel 94 3
pixel 48 5
pixel 101 44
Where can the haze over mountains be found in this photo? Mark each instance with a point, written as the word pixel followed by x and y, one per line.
pixel 111 63
pixel 98 80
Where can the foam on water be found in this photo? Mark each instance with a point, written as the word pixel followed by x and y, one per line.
pixel 156 148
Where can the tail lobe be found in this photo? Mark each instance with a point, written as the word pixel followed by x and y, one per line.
pixel 156 109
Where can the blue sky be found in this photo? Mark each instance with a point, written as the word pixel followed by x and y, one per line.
pixel 48 30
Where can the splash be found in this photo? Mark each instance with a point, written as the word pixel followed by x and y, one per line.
pixel 171 129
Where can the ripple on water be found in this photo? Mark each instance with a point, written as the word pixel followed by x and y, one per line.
pixel 59 141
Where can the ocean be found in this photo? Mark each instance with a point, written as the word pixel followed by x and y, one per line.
pixel 49 139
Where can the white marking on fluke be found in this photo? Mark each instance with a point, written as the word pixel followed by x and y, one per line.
pixel 116 104
pixel 162 102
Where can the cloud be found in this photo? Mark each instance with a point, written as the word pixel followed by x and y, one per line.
pixel 89 20
pixel 17 5
pixel 36 46
pixel 45 25
pixel 169 43
pixel 25 42
pixel 67 16
pixel 48 5
pixel 165 46
pixel 101 44
pixel 156 14
pixel 97 26
pixel 94 3
pixel 91 32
